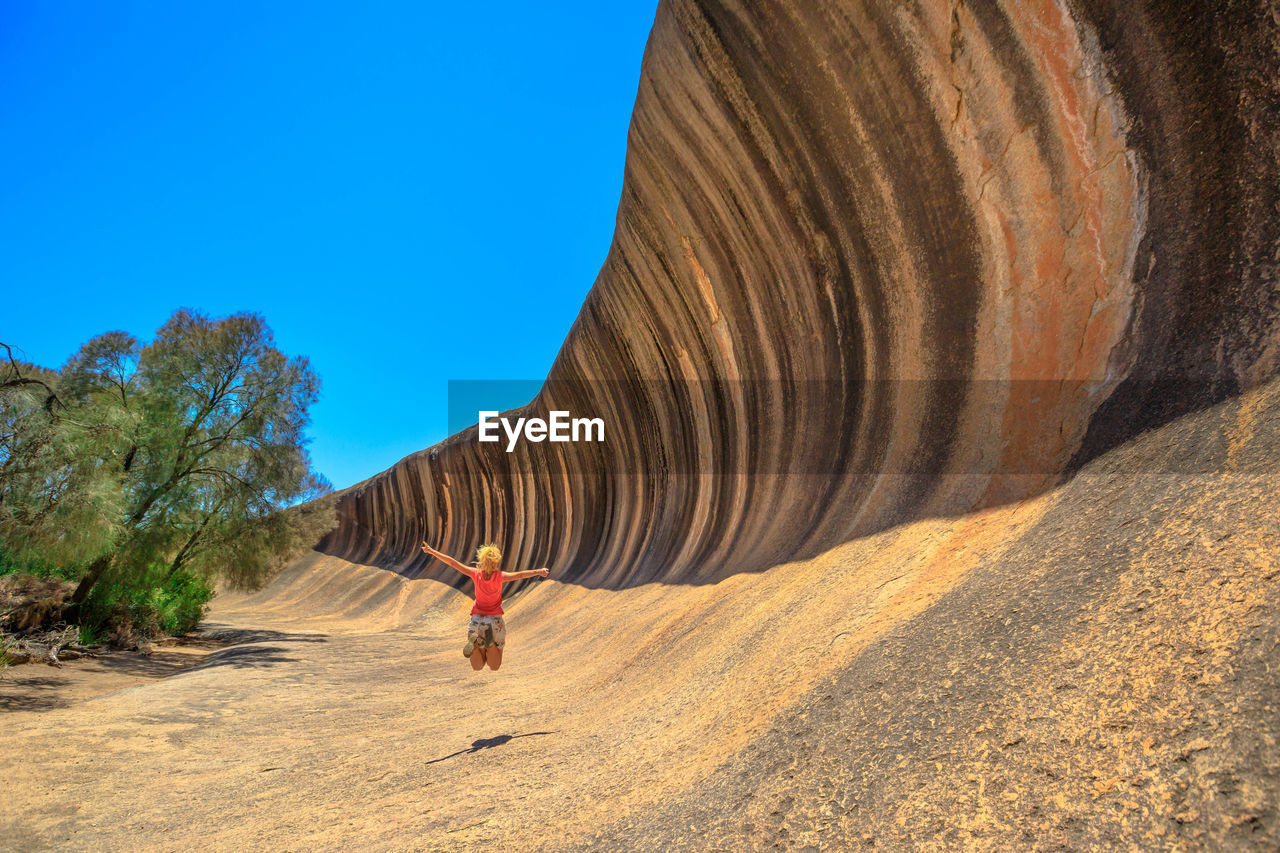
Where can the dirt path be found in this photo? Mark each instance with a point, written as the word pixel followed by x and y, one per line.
pixel 311 732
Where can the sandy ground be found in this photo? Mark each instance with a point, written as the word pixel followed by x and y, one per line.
pixel 1094 668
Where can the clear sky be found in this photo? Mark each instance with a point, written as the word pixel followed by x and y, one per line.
pixel 409 192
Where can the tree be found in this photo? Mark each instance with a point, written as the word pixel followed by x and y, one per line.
pixel 53 498
pixel 183 449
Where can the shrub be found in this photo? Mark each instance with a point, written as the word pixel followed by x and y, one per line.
pixel 129 607
pixel 12 564
pixel 181 602
pixel 29 603
pixel 88 636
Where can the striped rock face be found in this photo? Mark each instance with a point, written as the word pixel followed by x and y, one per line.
pixel 877 262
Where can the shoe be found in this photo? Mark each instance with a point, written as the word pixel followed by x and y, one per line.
pixel 469 647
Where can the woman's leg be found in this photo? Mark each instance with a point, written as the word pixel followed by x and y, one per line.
pixel 497 637
pixel 477 658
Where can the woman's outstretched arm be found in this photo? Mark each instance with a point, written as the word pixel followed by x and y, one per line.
pixel 531 573
pixel 447 560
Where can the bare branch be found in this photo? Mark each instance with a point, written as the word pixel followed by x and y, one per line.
pixel 19 379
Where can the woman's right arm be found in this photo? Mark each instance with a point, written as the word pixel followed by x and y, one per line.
pixel 447 560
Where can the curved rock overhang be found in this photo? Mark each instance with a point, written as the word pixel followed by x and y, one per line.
pixel 875 261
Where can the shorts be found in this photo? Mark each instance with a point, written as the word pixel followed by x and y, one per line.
pixel 479 630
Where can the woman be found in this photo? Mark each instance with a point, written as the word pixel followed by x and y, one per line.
pixel 486 634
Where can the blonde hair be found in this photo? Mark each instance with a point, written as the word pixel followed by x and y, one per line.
pixel 488 556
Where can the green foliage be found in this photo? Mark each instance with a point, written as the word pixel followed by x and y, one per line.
pixel 127 607
pixel 56 497
pixel 252 551
pixel 187 452
pixel 12 564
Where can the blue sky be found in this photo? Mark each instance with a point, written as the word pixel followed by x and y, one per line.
pixel 408 192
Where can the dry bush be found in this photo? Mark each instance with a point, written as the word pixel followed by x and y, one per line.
pixel 29 604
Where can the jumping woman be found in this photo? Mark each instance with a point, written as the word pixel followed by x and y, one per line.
pixel 486 634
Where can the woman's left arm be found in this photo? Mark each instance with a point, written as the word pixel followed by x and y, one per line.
pixel 531 573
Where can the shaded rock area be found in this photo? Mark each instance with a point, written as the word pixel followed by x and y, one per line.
pixel 1112 681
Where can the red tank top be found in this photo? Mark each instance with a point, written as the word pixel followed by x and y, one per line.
pixel 488 594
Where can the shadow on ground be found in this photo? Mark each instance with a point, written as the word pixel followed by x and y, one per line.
pixel 213 645
pixel 245 657
pixel 38 693
pixel 486 743
pixel 216 635
pixel 244 651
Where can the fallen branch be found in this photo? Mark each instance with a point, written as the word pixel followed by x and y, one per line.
pixel 53 648
pixel 63 639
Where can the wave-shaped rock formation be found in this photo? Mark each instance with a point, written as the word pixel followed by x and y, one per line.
pixel 881 261
pixel 883 274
